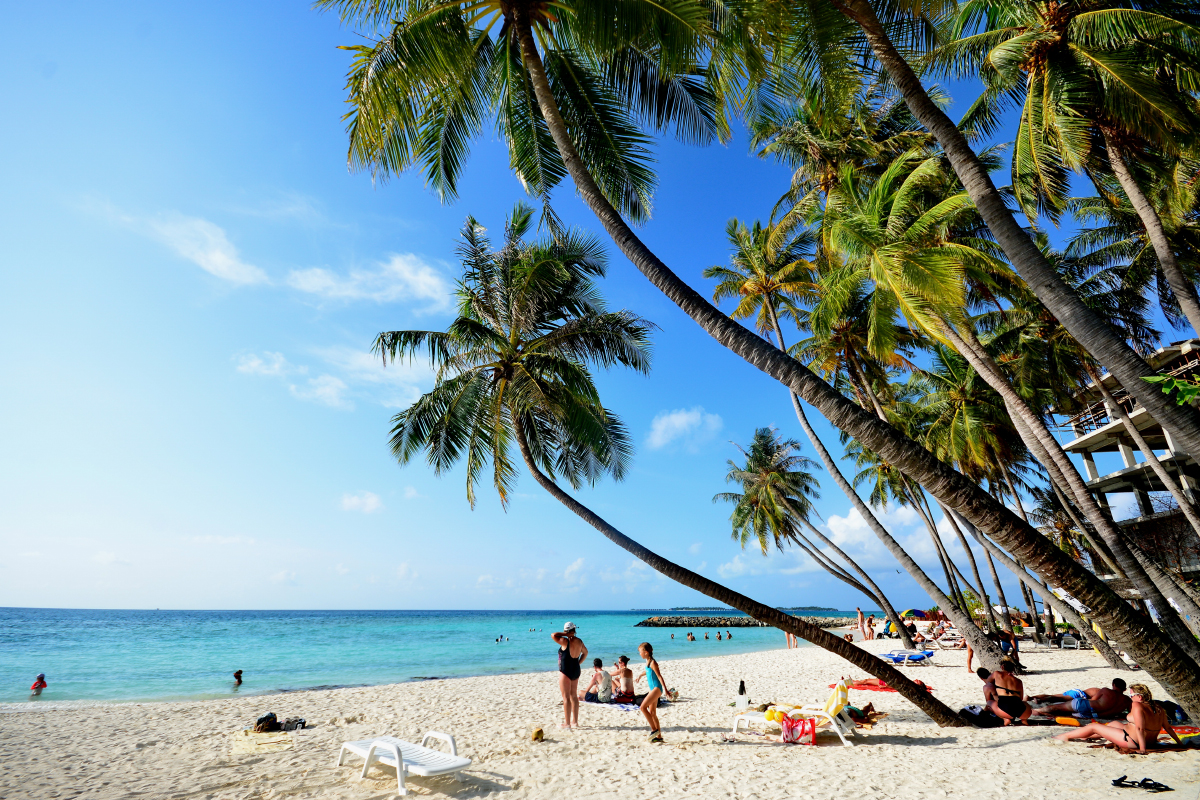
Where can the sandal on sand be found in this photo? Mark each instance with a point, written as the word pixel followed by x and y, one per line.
pixel 1154 786
pixel 1126 784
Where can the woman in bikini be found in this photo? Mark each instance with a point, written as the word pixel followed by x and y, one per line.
pixel 656 685
pixel 571 651
pixel 1141 728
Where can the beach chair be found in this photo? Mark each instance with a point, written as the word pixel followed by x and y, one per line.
pixel 407 758
pixel 1069 643
pixel 909 657
pixel 833 714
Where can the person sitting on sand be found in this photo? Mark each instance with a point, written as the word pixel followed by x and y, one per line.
pixel 622 675
pixel 600 688
pixel 39 683
pixel 1085 703
pixel 1005 693
pixel 1140 729
pixel 657 686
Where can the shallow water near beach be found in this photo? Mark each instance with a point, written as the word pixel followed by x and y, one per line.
pixel 124 656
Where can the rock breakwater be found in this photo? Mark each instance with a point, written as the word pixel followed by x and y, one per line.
pixel 732 622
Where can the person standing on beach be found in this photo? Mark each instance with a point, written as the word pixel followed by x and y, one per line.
pixel 39 683
pixel 571 652
pixel 870 630
pixel 862 622
pixel 657 685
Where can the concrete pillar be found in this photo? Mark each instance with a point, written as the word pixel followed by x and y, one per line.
pixel 1127 454
pixel 1143 501
pixel 1089 466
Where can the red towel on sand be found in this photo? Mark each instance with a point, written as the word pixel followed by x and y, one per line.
pixel 876 685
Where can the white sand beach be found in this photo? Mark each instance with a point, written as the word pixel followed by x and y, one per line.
pixel 185 750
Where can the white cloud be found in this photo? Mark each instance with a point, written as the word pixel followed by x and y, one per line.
pixel 402 277
pixel 284 577
pixel 366 502
pixel 204 244
pixel 404 573
pixel 107 558
pixel 222 540
pixel 695 548
pixel 273 365
pixel 573 575
pixel 636 576
pixel 398 384
pixel 410 493
pixel 324 389
pixel 689 426
pixel 342 569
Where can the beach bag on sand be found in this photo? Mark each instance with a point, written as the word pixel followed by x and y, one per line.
pixel 981 717
pixel 267 723
pixel 293 723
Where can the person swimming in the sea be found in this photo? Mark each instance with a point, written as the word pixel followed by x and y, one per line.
pixel 38 685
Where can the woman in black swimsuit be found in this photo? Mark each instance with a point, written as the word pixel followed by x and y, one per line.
pixel 571 652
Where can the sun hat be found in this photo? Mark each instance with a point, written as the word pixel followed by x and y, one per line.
pixel 41 675
pixel 570 626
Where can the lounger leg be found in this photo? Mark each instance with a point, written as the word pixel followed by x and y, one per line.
pixel 370 760
pixel 341 756
pixel 400 787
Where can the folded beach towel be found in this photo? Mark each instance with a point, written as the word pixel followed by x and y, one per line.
pixel 622 706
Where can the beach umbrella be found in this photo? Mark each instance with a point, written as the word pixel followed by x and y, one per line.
pixel 912 612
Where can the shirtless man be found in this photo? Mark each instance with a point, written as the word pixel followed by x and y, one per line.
pixel 1005 694
pixel 622 677
pixel 1141 728
pixel 861 623
pixel 1085 703
pixel 600 688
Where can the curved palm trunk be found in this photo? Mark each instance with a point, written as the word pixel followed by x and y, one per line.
pixel 1090 330
pixel 1161 657
pixel 1049 600
pixel 888 609
pixel 1130 562
pixel 1183 289
pixel 1039 632
pixel 975 570
pixel 938 711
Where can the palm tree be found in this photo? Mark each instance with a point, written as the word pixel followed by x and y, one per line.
pixel 1086 75
pixel 1090 329
pixel 763 275
pixel 515 368
pixel 673 39
pixel 776 500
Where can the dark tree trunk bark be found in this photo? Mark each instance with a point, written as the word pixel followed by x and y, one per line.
pixel 1161 657
pixel 1134 566
pixel 1183 289
pixel 938 711
pixel 1049 600
pixel 1090 330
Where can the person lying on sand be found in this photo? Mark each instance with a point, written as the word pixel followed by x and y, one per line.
pixel 1146 719
pixel 622 676
pixel 1004 693
pixel 599 690
pixel 1085 703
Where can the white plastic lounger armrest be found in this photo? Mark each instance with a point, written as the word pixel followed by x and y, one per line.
pixel 387 747
pixel 445 737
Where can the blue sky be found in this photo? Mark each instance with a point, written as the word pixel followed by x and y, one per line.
pixel 191 280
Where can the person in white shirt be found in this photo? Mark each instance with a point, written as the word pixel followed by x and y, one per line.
pixel 600 688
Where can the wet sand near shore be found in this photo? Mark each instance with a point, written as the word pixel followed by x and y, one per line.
pixel 185 750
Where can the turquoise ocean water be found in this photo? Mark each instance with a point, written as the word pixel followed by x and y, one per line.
pixel 124 656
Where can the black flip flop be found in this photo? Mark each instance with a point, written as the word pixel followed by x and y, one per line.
pixel 1126 784
pixel 1154 786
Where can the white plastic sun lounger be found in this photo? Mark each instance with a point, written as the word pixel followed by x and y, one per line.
pixel 407 758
